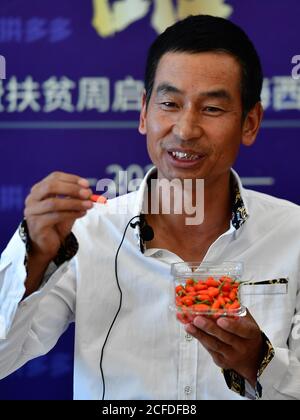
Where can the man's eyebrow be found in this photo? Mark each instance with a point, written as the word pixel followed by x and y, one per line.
pixel 217 94
pixel 167 88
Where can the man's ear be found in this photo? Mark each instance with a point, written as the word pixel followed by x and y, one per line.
pixel 251 124
pixel 143 124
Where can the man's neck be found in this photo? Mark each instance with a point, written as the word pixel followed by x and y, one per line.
pixel 172 232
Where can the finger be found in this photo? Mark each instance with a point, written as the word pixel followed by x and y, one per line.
pixel 209 342
pixel 62 177
pixel 50 219
pixel 244 327
pixel 220 360
pixel 64 216
pixel 218 351
pixel 53 205
pixel 73 179
pixel 210 327
pixel 52 189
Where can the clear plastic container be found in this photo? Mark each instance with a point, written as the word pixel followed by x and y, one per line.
pixel 206 289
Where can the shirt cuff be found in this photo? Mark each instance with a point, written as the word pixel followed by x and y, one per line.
pixel 52 267
pixel 237 383
pixel 65 253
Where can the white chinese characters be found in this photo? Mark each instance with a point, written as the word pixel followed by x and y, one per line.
pixel 102 95
pixel 67 95
pixel 94 94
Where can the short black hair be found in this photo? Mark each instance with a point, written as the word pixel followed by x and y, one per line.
pixel 204 33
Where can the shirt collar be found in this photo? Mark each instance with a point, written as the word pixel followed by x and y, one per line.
pixel 239 205
pixel 141 202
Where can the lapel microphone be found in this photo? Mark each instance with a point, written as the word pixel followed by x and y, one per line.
pixel 146 231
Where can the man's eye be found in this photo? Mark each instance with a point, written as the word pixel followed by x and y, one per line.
pixel 213 110
pixel 168 104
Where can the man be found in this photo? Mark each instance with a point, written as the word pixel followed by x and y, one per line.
pixel 201 101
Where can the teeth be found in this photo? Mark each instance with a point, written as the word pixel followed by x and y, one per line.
pixel 182 155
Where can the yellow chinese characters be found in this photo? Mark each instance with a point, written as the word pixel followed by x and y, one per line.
pixel 110 18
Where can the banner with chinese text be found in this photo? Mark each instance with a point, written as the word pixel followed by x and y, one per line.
pixel 71 99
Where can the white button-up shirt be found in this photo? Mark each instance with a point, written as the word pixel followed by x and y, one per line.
pixel 148 354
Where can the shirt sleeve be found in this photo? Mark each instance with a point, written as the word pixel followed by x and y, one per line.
pixel 31 327
pixel 279 373
pixel 237 383
pixel 65 253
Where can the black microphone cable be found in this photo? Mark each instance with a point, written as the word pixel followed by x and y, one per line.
pixel 120 302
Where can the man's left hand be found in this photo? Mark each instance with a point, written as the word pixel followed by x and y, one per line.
pixel 235 344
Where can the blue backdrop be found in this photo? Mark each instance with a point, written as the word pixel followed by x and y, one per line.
pixel 71 98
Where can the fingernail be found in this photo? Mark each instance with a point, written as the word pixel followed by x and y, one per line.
pixel 199 322
pixel 191 329
pixel 87 204
pixel 222 322
pixel 84 182
pixel 84 193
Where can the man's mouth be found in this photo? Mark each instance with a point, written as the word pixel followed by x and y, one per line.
pixel 185 156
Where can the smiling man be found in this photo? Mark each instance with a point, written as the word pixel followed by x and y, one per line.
pixel 195 123
pixel 201 103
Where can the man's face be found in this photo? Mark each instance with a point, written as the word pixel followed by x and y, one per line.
pixel 193 121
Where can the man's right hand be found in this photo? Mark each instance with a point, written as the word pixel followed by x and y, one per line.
pixel 51 209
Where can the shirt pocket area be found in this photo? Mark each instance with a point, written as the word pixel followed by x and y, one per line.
pixel 265 287
pixel 271 306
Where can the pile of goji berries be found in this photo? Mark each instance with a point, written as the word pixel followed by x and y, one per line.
pixel 209 297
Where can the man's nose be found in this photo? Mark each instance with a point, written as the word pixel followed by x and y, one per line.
pixel 188 125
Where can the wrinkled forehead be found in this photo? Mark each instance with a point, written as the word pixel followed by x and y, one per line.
pixel 199 70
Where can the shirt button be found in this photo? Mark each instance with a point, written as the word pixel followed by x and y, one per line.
pixel 188 337
pixel 159 254
pixel 187 389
